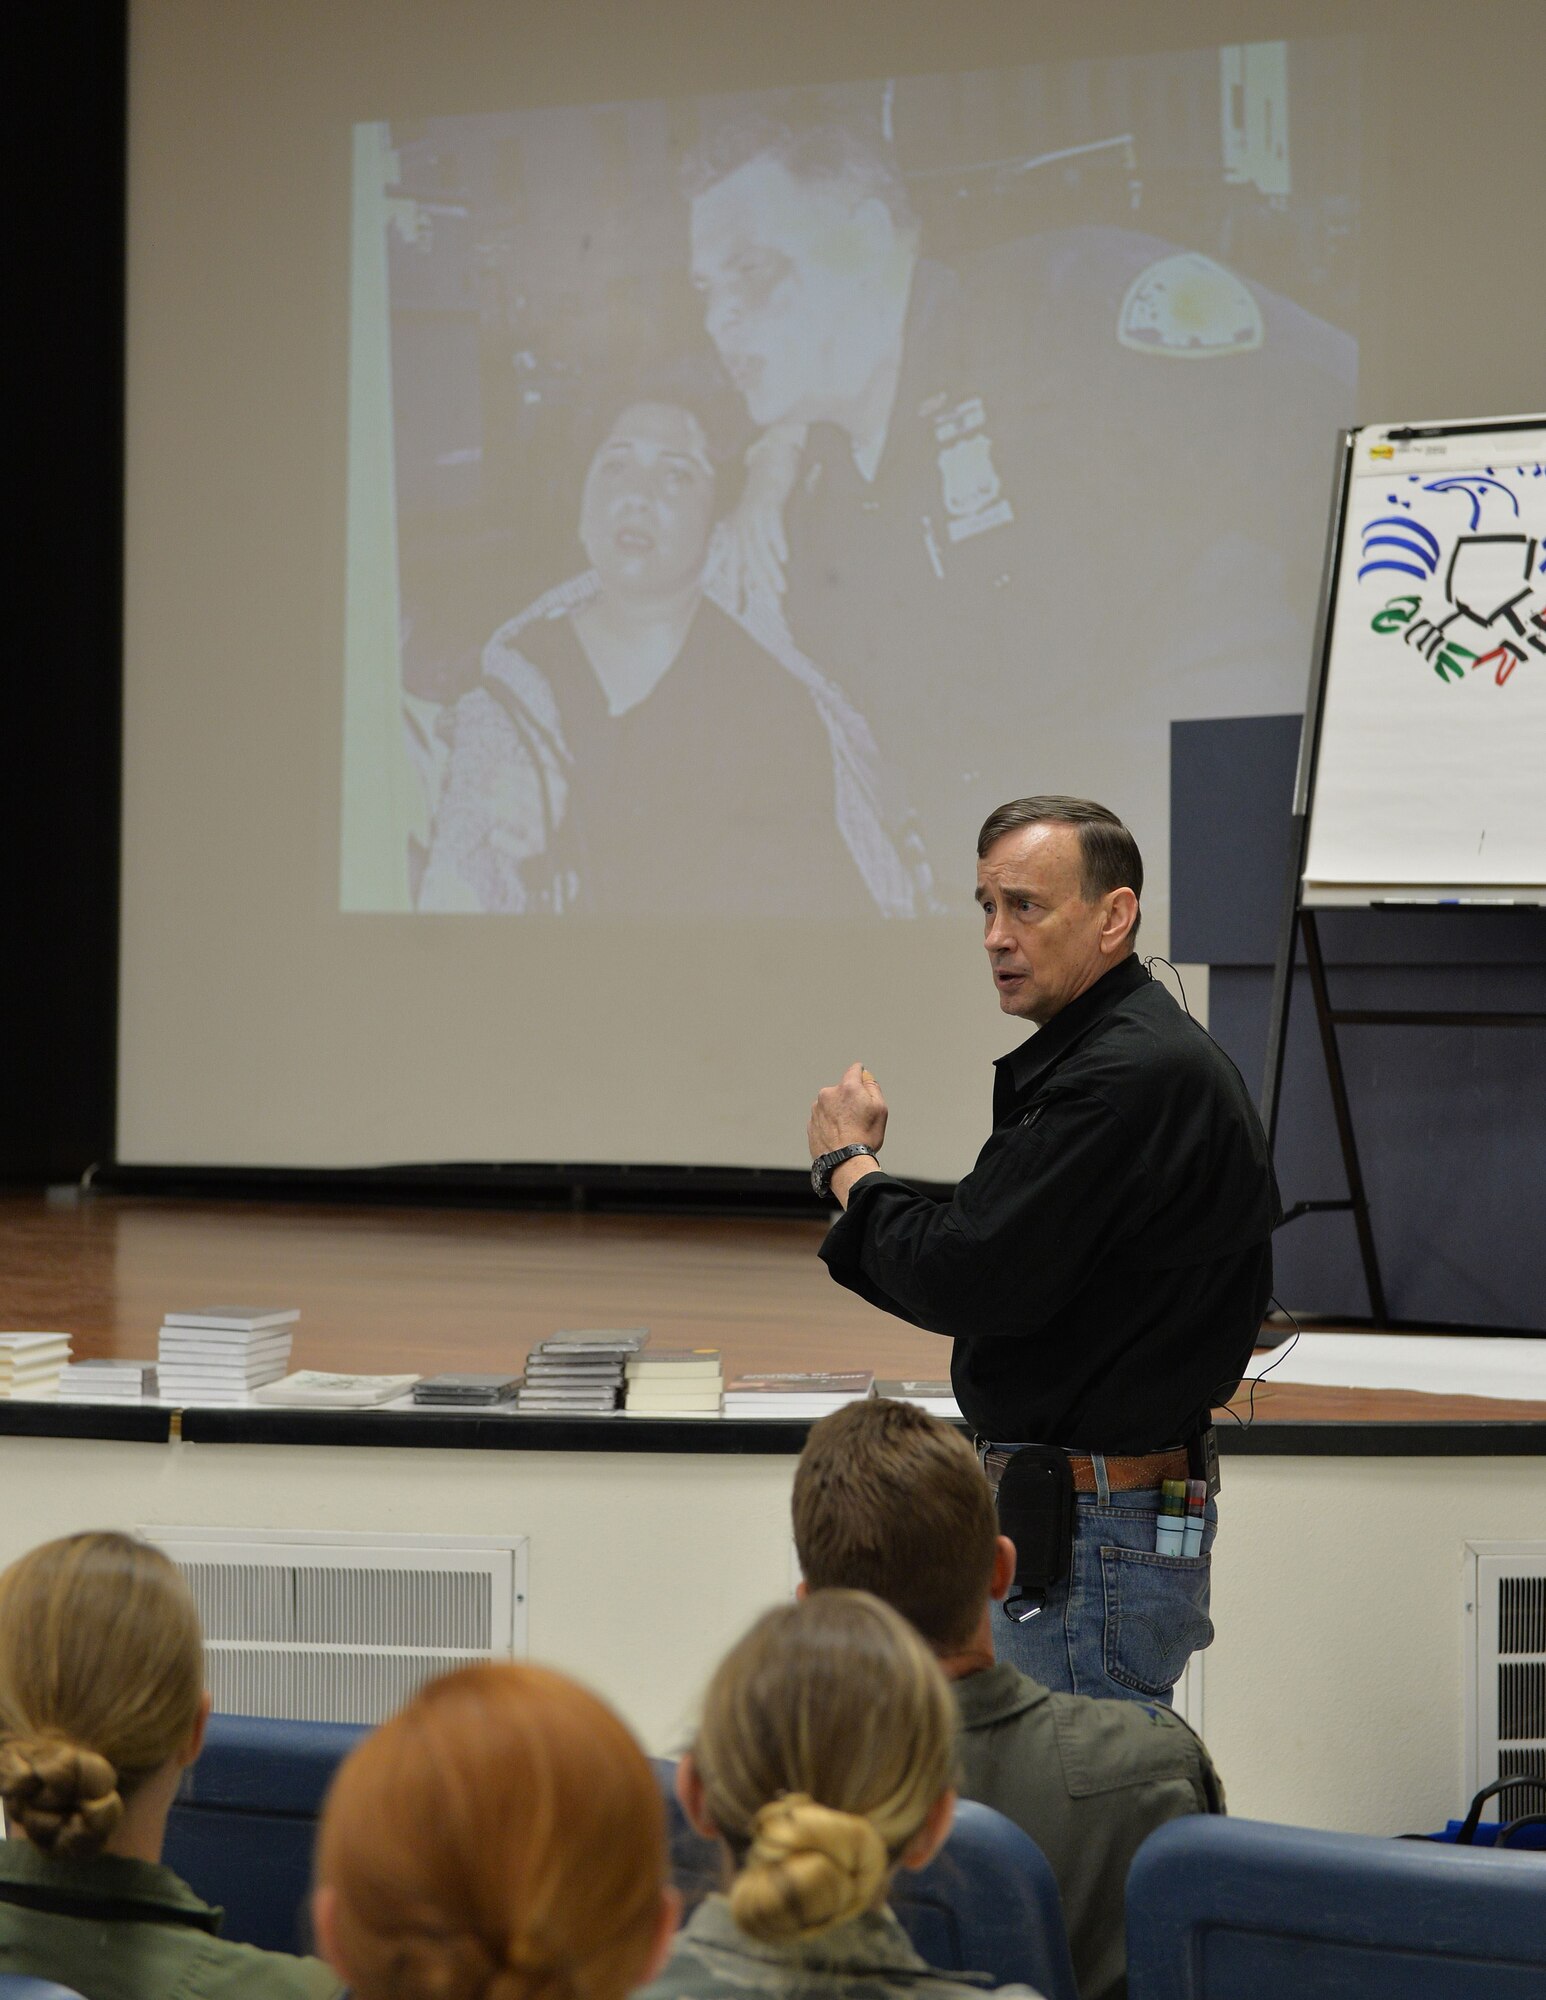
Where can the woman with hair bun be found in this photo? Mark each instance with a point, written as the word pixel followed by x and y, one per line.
pixel 102 1709
pixel 823 1764
pixel 502 1838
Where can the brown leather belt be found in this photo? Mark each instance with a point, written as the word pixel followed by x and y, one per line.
pixel 1131 1474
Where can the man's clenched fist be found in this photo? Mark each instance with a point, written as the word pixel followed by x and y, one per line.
pixel 851 1112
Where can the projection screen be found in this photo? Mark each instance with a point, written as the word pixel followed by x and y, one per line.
pixel 595 559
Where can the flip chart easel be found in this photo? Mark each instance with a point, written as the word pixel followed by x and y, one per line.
pixel 1422 761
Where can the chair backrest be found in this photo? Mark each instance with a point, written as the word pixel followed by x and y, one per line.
pixel 242 1829
pixel 988 1901
pixel 1220 1907
pixel 22 1986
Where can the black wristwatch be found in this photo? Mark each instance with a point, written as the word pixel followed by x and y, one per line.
pixel 823 1169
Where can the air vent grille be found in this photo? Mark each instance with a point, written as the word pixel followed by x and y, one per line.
pixel 1506 1671
pixel 320 1686
pixel 344 1628
pixel 1522 1614
pixel 1523 1764
pixel 1522 1702
pixel 343 1606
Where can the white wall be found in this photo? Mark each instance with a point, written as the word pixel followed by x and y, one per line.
pixel 1334 1692
pixel 1333 1695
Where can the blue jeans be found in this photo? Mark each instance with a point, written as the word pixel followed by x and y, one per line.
pixel 1125 1620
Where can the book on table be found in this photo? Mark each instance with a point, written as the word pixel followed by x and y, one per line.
pixel 212 1340
pixel 674 1363
pixel 235 1319
pixel 454 1390
pixel 669 1413
pixel 930 1393
pixel 550 1406
pixel 582 1368
pixel 30 1365
pixel 596 1339
pixel 676 1399
pixel 319 1388
pixel 802 1393
pixel 106 1378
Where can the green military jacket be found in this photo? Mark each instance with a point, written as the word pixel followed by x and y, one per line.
pixel 1088 1780
pixel 129 1930
pixel 868 1958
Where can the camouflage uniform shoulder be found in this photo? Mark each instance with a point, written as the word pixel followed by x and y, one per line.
pixel 1109 1746
pixel 868 1958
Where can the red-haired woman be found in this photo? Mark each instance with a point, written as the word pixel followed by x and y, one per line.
pixel 502 1838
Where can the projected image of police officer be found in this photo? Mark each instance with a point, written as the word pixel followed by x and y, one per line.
pixel 985 492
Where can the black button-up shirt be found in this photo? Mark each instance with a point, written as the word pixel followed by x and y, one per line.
pixel 1104 1267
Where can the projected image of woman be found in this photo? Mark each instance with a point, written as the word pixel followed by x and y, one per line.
pixel 632 749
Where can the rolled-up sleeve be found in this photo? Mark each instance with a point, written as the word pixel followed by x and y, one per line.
pixel 1016 1239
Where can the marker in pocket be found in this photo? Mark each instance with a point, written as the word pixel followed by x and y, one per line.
pixel 1196 1516
pixel 1170 1525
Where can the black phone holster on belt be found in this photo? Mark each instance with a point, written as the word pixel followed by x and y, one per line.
pixel 1036 1512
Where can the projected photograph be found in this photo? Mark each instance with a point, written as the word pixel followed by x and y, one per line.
pixel 747 494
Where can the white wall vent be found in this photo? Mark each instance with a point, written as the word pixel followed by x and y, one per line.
pixel 325 1627
pixel 1506 1670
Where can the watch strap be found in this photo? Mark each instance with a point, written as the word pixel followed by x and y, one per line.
pixel 823 1169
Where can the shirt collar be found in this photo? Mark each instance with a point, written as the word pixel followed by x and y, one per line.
pixel 930 368
pixel 995 1694
pixel 1032 1059
pixel 144 1886
pixel 874 1941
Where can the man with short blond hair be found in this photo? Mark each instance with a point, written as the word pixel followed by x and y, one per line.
pixel 891 1500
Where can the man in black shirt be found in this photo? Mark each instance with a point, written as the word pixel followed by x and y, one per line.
pixel 1104 1268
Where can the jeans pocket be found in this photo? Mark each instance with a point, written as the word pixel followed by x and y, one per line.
pixel 1156 1615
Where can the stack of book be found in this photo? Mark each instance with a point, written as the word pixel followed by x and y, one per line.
pixel 938 1398
pixel 30 1364
pixel 105 1379
pixel 581 1372
pixel 220 1354
pixel 809 1395
pixel 464 1392
pixel 675 1382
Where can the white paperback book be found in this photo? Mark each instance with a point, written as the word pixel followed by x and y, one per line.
pixel 236 1319
pixel 24 1347
pixel 317 1387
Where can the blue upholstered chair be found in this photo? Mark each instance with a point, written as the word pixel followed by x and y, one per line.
pixel 1218 1908
pixel 988 1901
pixel 22 1986
pixel 242 1830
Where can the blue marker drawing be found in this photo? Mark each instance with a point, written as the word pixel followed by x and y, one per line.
pixel 1474 486
pixel 1411 538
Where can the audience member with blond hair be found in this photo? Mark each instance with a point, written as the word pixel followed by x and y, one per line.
pixel 823 1764
pixel 892 1500
pixel 501 1838
pixel 102 1708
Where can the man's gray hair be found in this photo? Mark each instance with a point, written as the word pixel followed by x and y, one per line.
pixel 1108 853
pixel 846 158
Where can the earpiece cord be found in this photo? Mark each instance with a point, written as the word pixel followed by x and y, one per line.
pixel 1149 965
pixel 1249 1418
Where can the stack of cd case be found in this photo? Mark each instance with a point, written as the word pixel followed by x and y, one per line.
pixel 579 1371
pixel 465 1391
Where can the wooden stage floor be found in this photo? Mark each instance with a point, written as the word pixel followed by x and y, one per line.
pixel 421 1289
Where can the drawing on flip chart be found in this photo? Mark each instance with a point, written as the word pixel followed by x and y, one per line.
pixel 1483 605
pixel 1433 707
